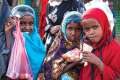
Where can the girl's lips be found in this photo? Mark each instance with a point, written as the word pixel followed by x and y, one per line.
pixel 92 38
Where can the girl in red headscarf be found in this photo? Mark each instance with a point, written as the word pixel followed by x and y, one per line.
pixel 103 61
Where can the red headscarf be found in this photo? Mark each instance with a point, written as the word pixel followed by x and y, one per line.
pixel 100 16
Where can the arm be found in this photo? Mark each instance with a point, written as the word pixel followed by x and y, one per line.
pixel 9 24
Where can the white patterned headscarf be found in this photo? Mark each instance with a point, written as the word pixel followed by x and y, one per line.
pixel 22 10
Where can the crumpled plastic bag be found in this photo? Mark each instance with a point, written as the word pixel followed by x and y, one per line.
pixel 19 67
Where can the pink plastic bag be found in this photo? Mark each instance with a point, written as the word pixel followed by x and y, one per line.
pixel 18 67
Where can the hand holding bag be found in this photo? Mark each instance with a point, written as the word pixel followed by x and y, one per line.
pixel 19 67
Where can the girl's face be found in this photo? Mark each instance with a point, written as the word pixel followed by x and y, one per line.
pixel 73 31
pixel 26 23
pixel 92 30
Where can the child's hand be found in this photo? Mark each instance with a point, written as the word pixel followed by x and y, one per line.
pixel 72 56
pixel 10 23
pixel 92 58
pixel 55 29
pixel 57 68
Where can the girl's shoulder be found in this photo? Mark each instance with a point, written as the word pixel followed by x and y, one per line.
pixel 113 47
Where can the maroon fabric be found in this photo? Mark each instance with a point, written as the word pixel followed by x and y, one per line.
pixel 42 17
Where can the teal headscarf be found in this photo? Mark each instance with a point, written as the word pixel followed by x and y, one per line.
pixel 72 16
pixel 34 46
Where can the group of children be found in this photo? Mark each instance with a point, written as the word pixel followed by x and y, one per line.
pixel 75 29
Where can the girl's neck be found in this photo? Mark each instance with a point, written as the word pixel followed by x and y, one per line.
pixel 69 44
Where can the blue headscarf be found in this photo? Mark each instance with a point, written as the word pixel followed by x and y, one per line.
pixel 34 46
pixel 72 16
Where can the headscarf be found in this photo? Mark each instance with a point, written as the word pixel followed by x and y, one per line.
pixel 33 43
pixel 69 17
pixel 100 16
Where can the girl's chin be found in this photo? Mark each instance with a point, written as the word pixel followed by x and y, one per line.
pixel 94 41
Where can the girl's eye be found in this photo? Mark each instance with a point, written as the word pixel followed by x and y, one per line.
pixel 95 27
pixel 86 28
pixel 76 29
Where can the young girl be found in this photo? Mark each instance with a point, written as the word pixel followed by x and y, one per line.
pixel 33 43
pixel 69 40
pixel 104 59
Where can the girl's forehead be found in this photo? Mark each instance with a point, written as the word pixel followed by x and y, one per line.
pixel 28 17
pixel 88 22
pixel 73 23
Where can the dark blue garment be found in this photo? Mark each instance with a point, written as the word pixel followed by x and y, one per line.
pixel 5 11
